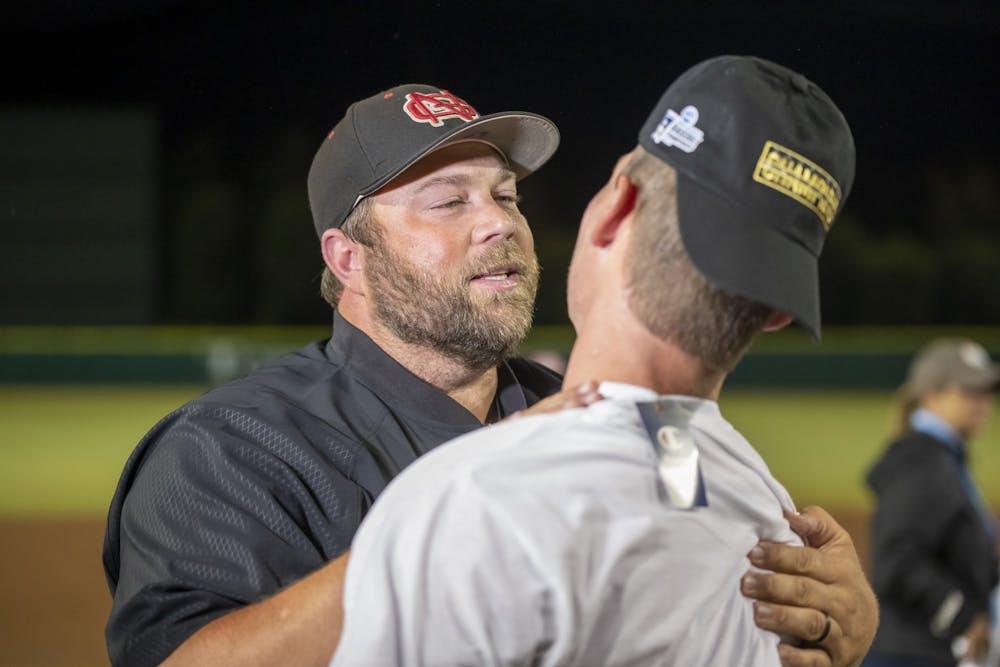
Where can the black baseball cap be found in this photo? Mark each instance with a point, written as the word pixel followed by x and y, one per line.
pixel 764 162
pixel 379 137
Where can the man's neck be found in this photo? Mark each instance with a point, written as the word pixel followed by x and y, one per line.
pixel 627 352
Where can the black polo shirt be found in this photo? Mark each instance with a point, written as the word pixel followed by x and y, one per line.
pixel 262 481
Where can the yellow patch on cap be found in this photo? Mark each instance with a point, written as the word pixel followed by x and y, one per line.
pixel 801 179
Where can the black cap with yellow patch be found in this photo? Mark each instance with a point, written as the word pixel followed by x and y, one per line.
pixel 764 162
pixel 381 136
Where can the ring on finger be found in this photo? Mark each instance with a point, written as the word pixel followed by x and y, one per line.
pixel 826 630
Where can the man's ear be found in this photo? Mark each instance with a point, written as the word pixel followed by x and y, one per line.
pixel 619 205
pixel 343 257
pixel 777 320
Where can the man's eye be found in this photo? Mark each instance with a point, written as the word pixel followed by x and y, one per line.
pixel 508 198
pixel 451 203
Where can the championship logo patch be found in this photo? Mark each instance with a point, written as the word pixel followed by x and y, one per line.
pixel 801 179
pixel 678 129
pixel 436 108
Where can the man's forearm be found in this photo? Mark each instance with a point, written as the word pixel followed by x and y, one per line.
pixel 300 625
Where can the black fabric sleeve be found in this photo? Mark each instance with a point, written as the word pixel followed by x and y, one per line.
pixel 223 511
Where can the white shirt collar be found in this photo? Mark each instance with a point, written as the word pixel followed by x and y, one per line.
pixel 626 392
pixel 633 393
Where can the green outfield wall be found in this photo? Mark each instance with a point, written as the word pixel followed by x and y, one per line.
pixel 855 357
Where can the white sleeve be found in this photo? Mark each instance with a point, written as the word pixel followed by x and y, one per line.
pixel 724 633
pixel 721 629
pixel 436 577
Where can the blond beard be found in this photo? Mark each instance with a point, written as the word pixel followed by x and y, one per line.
pixel 443 313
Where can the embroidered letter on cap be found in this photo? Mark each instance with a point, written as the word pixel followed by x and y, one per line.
pixel 799 178
pixel 437 107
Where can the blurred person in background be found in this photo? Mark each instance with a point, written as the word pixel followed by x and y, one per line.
pixel 934 547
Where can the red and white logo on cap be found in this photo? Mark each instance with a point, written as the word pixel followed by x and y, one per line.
pixel 435 108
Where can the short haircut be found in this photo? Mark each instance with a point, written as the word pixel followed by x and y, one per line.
pixel 362 227
pixel 665 290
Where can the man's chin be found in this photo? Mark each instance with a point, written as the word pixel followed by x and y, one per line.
pixel 507 304
pixel 506 333
pixel 511 318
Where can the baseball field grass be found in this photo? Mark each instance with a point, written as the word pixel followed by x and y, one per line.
pixel 62 447
pixel 820 444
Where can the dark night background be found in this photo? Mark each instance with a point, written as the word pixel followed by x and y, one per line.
pixel 240 95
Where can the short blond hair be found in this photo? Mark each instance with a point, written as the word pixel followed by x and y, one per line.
pixel 666 292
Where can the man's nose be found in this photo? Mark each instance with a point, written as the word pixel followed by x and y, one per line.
pixel 495 223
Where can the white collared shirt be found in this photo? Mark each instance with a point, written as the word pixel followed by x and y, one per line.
pixel 549 540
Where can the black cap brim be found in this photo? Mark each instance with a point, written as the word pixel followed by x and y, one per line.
pixel 526 140
pixel 732 250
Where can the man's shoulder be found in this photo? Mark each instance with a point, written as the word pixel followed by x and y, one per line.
pixel 282 406
pixel 311 383
pixel 286 378
pixel 488 453
pixel 518 437
pixel 260 427
pixel 531 456
pixel 271 412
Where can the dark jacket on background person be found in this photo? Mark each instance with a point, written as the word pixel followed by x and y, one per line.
pixel 934 562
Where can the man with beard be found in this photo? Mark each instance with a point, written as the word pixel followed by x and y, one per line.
pixel 228 532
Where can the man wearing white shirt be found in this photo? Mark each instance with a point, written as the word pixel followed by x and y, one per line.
pixel 617 534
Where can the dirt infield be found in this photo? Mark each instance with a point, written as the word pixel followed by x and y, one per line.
pixel 55 600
